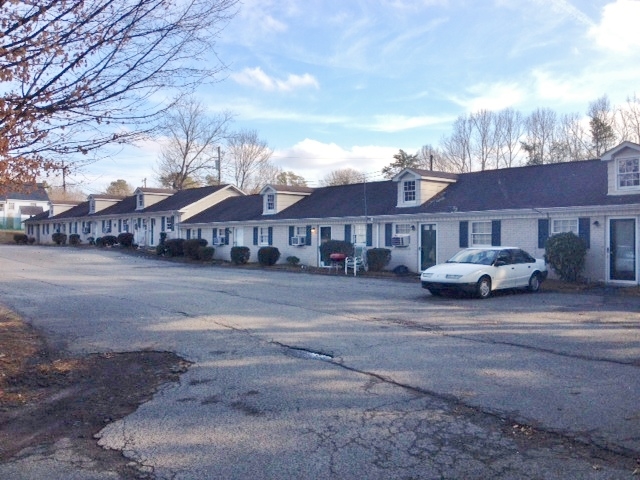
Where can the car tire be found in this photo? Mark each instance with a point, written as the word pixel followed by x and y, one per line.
pixel 484 287
pixel 534 283
pixel 435 292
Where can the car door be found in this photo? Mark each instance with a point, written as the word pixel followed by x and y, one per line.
pixel 524 265
pixel 503 270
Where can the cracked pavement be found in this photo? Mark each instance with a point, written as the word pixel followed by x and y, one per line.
pixel 305 376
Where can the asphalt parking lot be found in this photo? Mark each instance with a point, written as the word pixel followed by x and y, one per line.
pixel 317 376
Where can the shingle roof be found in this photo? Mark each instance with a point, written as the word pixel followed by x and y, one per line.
pixel 31 211
pixel 182 198
pixel 36 194
pixel 81 210
pixel 291 188
pixel 238 209
pixel 126 205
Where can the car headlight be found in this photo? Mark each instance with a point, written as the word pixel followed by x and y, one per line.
pixel 427 275
pixel 453 277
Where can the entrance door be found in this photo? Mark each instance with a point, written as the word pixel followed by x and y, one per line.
pixel 427 245
pixel 325 236
pixel 622 249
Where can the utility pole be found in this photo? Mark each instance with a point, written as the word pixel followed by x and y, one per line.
pixel 219 165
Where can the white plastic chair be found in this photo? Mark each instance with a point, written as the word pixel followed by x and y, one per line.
pixel 356 262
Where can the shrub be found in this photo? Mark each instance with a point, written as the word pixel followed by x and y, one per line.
pixel 240 255
pixel 20 238
pixel 565 253
pixel 125 239
pixel 109 240
pixel 74 239
pixel 378 258
pixel 206 253
pixel 31 240
pixel 59 238
pixel 163 238
pixel 335 246
pixel 268 256
pixel 293 260
pixel 91 240
pixel 174 247
pixel 190 247
pixel 98 242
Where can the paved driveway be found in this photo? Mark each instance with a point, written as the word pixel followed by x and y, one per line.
pixel 314 376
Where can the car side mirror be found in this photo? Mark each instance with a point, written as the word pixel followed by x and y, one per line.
pixel 499 263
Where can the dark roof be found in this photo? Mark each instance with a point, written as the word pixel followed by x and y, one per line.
pixel 31 211
pixel 291 188
pixel 40 216
pixel 233 209
pixel 81 210
pixel 182 198
pixel 126 205
pixel 35 193
pixel 106 196
pixel 434 173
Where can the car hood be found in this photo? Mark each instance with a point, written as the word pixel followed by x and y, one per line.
pixel 456 268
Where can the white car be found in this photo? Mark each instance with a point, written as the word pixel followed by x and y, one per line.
pixel 483 270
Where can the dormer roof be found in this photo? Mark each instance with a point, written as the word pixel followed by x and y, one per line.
pixel 277 198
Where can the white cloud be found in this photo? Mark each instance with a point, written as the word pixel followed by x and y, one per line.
pixel 618 28
pixel 495 96
pixel 396 123
pixel 256 77
pixel 313 159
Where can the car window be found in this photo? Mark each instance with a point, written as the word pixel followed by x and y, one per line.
pixel 520 256
pixel 475 256
pixel 504 256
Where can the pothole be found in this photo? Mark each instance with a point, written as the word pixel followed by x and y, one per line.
pixel 310 354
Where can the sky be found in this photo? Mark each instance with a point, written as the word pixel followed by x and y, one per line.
pixel 346 84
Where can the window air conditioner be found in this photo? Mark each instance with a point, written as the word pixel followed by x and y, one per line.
pixel 298 241
pixel 219 241
pixel 86 230
pixel 400 241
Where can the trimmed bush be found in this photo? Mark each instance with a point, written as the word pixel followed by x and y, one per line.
pixel 109 240
pixel 74 239
pixel 190 247
pixel 206 253
pixel 378 258
pixel 125 239
pixel 98 242
pixel 31 240
pixel 59 238
pixel 293 260
pixel 240 255
pixel 335 246
pixel 268 256
pixel 174 247
pixel 20 239
pixel 565 253
pixel 91 240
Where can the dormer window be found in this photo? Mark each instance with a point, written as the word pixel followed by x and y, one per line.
pixel 271 202
pixel 629 173
pixel 140 202
pixel 92 206
pixel 409 191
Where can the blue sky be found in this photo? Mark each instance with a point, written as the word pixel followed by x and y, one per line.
pixel 337 84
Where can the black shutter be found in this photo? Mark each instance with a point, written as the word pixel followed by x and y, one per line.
pixel 369 234
pixel 496 241
pixel 347 234
pixel 308 242
pixel 464 235
pixel 255 235
pixel 543 231
pixel 584 230
pixel 227 233
pixel 214 235
pixel 270 235
pixel 388 233
pixel 291 233
pixel 199 233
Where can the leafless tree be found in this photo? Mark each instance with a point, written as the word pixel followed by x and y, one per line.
pixel 571 140
pixel 627 122
pixel 509 128
pixel 456 148
pixel 193 137
pixel 540 128
pixel 79 75
pixel 248 159
pixel 484 137
pixel 342 176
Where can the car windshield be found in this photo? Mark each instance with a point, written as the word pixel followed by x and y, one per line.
pixel 479 257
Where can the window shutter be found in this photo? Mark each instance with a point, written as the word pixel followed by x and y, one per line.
pixel 291 233
pixel 214 235
pixel 388 233
pixel 199 233
pixel 464 235
pixel 347 234
pixel 584 230
pixel 543 231
pixel 369 234
pixel 162 224
pixel 188 234
pixel 270 235
pixel 496 241
pixel 308 242
pixel 255 235
pixel 227 233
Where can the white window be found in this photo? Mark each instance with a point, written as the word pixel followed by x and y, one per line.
pixel 263 236
pixel 12 206
pixel 300 231
pixel 360 233
pixel 1 207
pixel 271 202
pixel 403 228
pixel 564 225
pixel 481 233
pixel 629 173
pixel 409 191
pixel 140 201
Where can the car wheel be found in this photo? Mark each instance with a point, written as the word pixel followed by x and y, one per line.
pixel 435 292
pixel 534 283
pixel 484 287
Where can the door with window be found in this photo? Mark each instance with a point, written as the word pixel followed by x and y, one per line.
pixel 325 236
pixel 623 248
pixel 428 245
